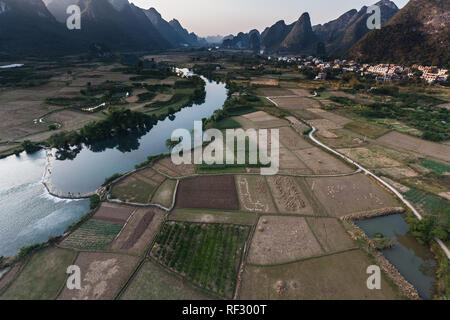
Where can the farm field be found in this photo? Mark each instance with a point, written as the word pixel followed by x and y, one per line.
pixel 164 195
pixel 153 283
pixel 137 188
pixel 254 194
pixel 213 216
pixel 350 194
pixel 208 192
pixel 93 235
pixel 42 277
pixel 208 255
pixel 338 276
pixel 289 196
pixel 406 142
pixel 281 239
pixel 321 162
pixel 263 120
pixel 113 213
pixel 181 170
pixel 330 234
pixel 369 158
pixel 103 275
pixel 138 233
pixel 366 129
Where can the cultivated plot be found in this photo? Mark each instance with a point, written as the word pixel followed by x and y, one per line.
pixel 139 231
pixel 292 140
pixel 280 239
pixel 93 235
pixel 339 276
pixel 103 275
pixel 181 170
pixel 288 195
pixel 209 192
pixel 254 194
pixel 350 194
pixel 208 255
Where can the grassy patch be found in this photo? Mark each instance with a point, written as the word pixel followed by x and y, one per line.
pixel 152 283
pixel 366 129
pixel 206 254
pixel 429 203
pixel 43 276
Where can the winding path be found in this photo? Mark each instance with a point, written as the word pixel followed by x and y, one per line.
pixel 367 172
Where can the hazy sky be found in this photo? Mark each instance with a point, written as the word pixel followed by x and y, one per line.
pixel 212 17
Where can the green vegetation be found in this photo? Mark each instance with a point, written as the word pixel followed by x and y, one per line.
pixel 24 77
pixel 429 203
pixel 117 121
pixel 94 201
pixel 206 254
pixel 428 228
pixel 434 166
pixel 93 235
pixel 43 276
pixel 30 147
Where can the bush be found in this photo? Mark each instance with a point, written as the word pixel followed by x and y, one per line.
pixel 94 201
pixel 30 147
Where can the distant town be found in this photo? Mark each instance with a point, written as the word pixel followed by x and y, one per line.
pixel 381 72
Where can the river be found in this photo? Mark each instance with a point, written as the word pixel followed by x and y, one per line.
pixel 28 214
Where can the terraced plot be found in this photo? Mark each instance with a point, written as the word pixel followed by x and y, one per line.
pixel 93 235
pixel 208 255
pixel 321 162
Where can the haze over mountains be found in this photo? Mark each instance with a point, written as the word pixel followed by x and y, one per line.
pixel 418 33
pixel 334 37
pixel 39 27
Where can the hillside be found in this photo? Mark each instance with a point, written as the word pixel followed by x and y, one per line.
pixel 419 33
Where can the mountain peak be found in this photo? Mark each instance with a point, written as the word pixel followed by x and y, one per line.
pixel 387 3
pixel 118 4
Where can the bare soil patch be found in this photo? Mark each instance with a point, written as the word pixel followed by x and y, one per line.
pixel 344 195
pixel 330 233
pixel 103 274
pixel 113 213
pixel 279 239
pixel 337 119
pixel 324 126
pixel 321 162
pixel 399 172
pixel 292 140
pixel 403 141
pixel 274 92
pixel 209 192
pixel 181 170
pixel 369 158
